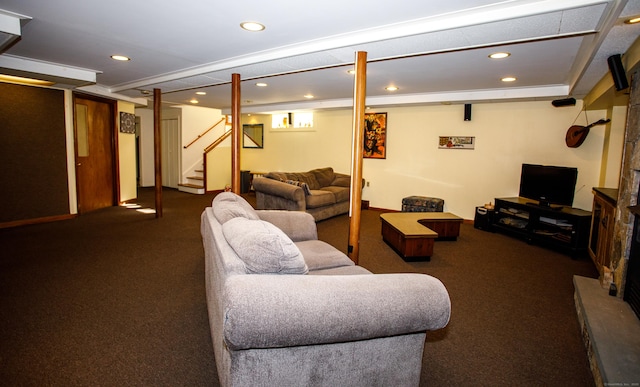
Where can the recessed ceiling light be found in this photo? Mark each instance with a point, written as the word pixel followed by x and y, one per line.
pixel 508 79
pixel 632 20
pixel 352 72
pixel 194 101
pixel 120 58
pixel 252 26
pixel 261 84
pixel 308 96
pixel 391 88
pixel 201 92
pixel 499 55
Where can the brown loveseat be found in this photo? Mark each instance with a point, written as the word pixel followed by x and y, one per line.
pixel 321 192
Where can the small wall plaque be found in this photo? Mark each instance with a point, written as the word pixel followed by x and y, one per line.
pixel 127 122
pixel 456 142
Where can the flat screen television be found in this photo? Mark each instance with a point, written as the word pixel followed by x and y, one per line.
pixel 548 184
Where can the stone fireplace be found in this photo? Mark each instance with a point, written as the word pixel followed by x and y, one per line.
pixel 610 326
pixel 632 279
pixel 627 193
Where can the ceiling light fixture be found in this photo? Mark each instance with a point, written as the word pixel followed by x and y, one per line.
pixel 352 72
pixel 194 101
pixel 499 55
pixel 261 84
pixel 391 88
pixel 509 79
pixel 633 20
pixel 121 58
pixel 201 92
pixel 252 26
pixel 309 96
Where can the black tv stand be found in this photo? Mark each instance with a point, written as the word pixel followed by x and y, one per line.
pixel 565 229
pixel 545 206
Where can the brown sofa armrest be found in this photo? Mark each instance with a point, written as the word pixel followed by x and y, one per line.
pixel 276 195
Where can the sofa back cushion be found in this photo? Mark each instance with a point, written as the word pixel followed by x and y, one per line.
pixel 228 205
pixel 263 247
pixel 324 176
pixel 308 178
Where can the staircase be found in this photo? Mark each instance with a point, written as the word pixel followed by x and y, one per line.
pixel 195 184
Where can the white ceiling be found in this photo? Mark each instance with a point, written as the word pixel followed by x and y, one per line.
pixel 433 51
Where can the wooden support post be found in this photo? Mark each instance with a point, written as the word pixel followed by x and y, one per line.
pixel 236 133
pixel 359 95
pixel 157 149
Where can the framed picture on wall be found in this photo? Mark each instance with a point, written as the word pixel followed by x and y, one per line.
pixel 375 136
pixel 456 142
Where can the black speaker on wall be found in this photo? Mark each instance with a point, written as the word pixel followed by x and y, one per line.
pixel 617 72
pixel 564 102
pixel 467 112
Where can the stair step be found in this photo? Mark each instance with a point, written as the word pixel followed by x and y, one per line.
pixel 189 185
pixel 191 188
pixel 196 177
pixel 199 170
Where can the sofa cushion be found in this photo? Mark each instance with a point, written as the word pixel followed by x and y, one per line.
pixel 320 198
pixel 228 205
pixel 301 184
pixel 305 177
pixel 277 176
pixel 264 248
pixel 341 193
pixel 324 176
pixel 321 255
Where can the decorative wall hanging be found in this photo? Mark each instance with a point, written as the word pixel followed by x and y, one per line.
pixel 456 142
pixel 127 122
pixel 375 136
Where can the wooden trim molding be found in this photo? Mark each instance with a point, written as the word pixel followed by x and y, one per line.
pixel 46 219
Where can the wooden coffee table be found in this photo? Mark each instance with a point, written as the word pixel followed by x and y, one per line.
pixel 411 234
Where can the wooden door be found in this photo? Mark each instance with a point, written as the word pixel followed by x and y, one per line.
pixel 170 152
pixel 94 147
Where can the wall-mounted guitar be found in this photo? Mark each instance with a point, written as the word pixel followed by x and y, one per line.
pixel 577 133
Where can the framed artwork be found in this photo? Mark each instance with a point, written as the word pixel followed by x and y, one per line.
pixel 456 142
pixel 252 136
pixel 127 122
pixel 375 136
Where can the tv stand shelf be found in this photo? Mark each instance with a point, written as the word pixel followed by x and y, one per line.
pixel 565 229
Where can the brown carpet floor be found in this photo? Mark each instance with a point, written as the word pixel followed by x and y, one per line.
pixel 116 297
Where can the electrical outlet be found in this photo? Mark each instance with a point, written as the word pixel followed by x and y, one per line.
pixel 367 183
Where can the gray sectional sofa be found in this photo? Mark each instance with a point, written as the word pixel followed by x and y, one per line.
pixel 321 192
pixel 286 309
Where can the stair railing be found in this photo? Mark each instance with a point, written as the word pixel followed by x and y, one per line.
pixel 205 132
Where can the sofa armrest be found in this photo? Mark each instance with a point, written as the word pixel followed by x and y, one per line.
pixel 299 226
pixel 274 194
pixel 269 311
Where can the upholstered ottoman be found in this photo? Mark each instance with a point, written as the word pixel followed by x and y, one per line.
pixel 422 204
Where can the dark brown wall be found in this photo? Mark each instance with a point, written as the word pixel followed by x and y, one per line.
pixel 33 158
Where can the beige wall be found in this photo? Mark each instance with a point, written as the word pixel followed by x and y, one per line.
pixel 126 156
pixel 507 134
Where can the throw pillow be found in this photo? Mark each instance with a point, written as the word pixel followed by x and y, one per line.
pixel 263 247
pixel 303 185
pixel 228 205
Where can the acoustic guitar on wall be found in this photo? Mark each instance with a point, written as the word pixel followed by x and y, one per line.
pixel 577 133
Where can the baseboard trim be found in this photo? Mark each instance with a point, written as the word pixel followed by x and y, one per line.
pixel 46 219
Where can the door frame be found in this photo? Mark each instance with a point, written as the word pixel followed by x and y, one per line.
pixel 114 142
